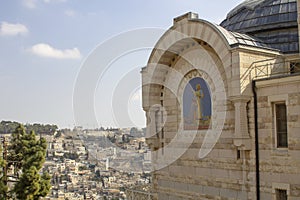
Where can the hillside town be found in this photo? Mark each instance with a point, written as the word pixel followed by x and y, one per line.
pixel 95 164
pixel 215 83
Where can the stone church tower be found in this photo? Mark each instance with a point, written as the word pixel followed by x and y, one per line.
pixel 223 104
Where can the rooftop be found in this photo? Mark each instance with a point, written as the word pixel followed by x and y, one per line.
pixel 274 22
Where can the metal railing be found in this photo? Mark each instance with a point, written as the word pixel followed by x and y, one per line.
pixel 269 68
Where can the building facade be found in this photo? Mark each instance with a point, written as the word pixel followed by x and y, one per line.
pixel 223 105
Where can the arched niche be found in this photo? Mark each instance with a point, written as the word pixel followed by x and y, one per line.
pixel 196 105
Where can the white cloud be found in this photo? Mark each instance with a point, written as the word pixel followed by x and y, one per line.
pixel 31 4
pixel 45 50
pixel 70 13
pixel 12 29
pixel 50 1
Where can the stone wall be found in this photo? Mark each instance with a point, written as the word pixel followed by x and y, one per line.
pixel 184 166
pixel 279 167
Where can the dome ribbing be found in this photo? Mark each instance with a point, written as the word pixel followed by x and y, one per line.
pixel 272 21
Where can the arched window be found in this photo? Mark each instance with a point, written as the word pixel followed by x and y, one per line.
pixel 196 105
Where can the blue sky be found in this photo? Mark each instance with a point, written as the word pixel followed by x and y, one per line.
pixel 44 43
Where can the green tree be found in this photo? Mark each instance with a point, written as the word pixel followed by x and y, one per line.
pixel 15 149
pixel 71 155
pixel 133 131
pixel 28 155
pixel 3 187
pixel 98 175
pixel 28 186
pixel 45 185
pixel 9 127
pixel 81 168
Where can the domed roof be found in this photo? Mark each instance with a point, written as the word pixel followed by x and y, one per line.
pixel 272 21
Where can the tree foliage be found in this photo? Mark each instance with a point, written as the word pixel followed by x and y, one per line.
pixel 10 127
pixel 3 187
pixel 15 149
pixel 71 155
pixel 135 132
pixel 27 155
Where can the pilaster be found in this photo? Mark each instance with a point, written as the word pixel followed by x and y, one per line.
pixel 242 138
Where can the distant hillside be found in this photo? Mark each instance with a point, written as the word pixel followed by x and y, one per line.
pixel 7 127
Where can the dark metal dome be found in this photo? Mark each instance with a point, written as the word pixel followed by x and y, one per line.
pixel 272 21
